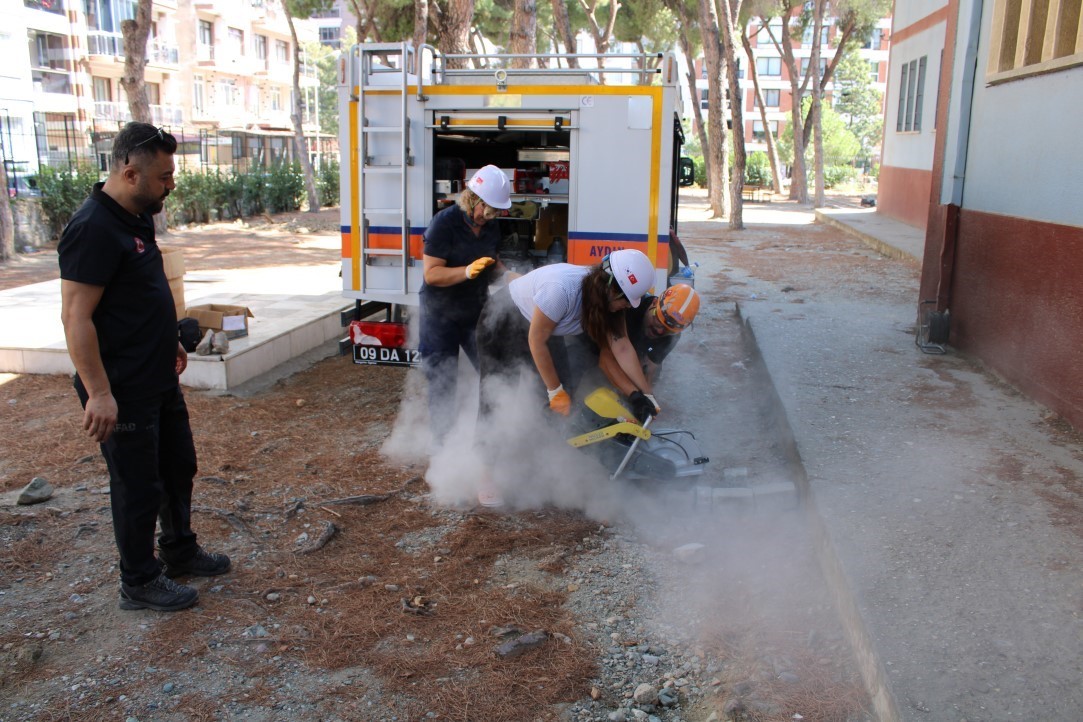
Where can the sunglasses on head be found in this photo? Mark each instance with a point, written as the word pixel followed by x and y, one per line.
pixel 158 133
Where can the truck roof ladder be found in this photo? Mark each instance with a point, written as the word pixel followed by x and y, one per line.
pixel 367 70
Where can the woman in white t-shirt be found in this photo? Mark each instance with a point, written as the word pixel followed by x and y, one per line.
pixel 519 321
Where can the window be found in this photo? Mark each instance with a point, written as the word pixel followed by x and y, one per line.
pixel 236 41
pixel 282 51
pixel 911 95
pixel 261 46
pixel 197 93
pixel 874 71
pixel 1030 38
pixel 206 32
pixel 805 63
pixel 758 132
pixel 875 40
pixel 825 34
pixel 51 6
pixel 330 36
pixel 103 90
pixel 276 98
pixel 154 93
pixel 769 66
pixel 227 93
pixel 763 37
pixel 771 98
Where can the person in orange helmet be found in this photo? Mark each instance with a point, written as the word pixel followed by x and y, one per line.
pixel 653 329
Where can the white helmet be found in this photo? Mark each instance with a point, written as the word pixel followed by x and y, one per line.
pixel 634 273
pixel 492 186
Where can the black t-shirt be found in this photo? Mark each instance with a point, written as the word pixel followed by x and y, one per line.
pixel 449 237
pixel 655 349
pixel 105 245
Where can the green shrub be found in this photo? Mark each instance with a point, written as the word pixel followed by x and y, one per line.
pixel 192 199
pixel 327 183
pixel 701 171
pixel 252 187
pixel 757 169
pixel 63 191
pixel 836 174
pixel 285 188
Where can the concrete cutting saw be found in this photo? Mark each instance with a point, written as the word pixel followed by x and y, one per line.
pixel 624 446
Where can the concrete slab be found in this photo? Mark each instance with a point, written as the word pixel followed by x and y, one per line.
pixel 296 309
pixel 892 238
pixel 948 507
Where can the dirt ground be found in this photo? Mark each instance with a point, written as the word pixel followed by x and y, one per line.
pixel 401 614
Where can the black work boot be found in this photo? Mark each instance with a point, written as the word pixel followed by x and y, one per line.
pixel 162 594
pixel 200 564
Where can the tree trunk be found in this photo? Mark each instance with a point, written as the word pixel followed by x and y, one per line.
pixel 7 221
pixel 829 73
pixel 817 102
pixel 455 29
pixel 685 21
pixel 731 11
pixel 421 29
pixel 600 34
pixel 772 152
pixel 524 30
pixel 298 131
pixel 798 178
pixel 135 33
pixel 564 31
pixel 716 123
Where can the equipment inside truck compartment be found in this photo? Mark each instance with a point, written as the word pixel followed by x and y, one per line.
pixel 535 229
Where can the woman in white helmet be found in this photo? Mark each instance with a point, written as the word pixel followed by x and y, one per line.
pixel 562 299
pixel 459 264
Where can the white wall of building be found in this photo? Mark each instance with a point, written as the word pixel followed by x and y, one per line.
pixel 1016 129
pixel 913 149
pixel 908 12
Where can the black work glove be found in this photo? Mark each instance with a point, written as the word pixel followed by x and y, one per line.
pixel 642 406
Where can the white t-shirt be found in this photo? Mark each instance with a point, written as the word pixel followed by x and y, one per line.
pixel 556 290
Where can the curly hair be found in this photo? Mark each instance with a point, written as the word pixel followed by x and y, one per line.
pixel 467 201
pixel 597 320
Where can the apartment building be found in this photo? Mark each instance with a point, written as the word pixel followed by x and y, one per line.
pixel 218 76
pixel 774 76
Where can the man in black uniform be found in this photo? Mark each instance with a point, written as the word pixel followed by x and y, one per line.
pixel 121 330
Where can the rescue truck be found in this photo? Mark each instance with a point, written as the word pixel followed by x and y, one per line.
pixel 595 167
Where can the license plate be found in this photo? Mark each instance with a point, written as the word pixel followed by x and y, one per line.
pixel 383 356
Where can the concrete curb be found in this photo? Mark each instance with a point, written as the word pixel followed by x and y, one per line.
pixel 869 240
pixel 871 668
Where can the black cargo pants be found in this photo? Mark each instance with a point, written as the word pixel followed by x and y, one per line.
pixel 152 462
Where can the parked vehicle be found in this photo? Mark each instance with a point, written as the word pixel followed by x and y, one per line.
pixel 595 167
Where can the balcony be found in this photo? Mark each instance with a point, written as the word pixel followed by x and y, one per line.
pixel 119 112
pixel 204 53
pixel 49 6
pixel 101 43
pixel 51 81
pixel 112 45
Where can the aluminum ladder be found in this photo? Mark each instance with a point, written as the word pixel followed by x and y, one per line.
pixel 365 71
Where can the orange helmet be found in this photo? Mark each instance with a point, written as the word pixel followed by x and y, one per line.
pixel 677 307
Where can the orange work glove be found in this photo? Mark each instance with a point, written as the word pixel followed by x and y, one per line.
pixel 474 269
pixel 560 401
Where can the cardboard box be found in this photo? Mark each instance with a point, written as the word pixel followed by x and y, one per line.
pixel 172 261
pixel 221 317
pixel 176 287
